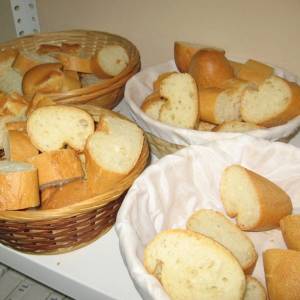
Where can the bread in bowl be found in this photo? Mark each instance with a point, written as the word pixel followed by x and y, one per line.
pixel 236 126
pixel 53 127
pixel 290 229
pixel 39 100
pixel 254 289
pixel 74 62
pixel 19 186
pixel 192 266
pixel 257 203
pixel 205 126
pixel 159 79
pixel 152 105
pixel 14 104
pixel 17 125
pixel 210 68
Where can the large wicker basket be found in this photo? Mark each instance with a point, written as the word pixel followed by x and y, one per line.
pixel 105 93
pixel 65 229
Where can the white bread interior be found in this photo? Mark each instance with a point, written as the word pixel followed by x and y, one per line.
pixel 52 127
pixel 152 105
pixel 216 226
pixel 192 266
pixel 236 126
pixel 290 229
pixel 257 203
pixel 206 126
pixel 19 185
pixel 254 290
pixel 181 106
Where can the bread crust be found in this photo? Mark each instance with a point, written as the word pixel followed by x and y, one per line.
pixel 159 79
pixel 290 229
pixel 74 62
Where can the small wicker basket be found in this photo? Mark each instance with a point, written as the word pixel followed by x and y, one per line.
pixel 105 93
pixel 65 229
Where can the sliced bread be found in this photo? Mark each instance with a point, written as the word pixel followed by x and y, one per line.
pixel 159 79
pixel 236 126
pixel 192 266
pixel 290 229
pixel 152 105
pixel 257 203
pixel 254 290
pixel 52 127
pixel 206 126
pixel 181 106
pixel 216 226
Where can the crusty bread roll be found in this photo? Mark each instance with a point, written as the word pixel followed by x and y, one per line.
pixel 58 167
pixel 110 61
pixel 19 186
pixel 236 126
pixel 192 266
pixel 159 79
pixel 255 71
pixel 216 226
pixel 181 106
pixel 152 105
pixel 206 126
pixel 282 272
pixel 210 68
pixel 52 127
pixel 112 152
pixel 274 103
pixel 18 146
pixel 290 229
pixel 254 290
pixel 71 81
pixel 257 203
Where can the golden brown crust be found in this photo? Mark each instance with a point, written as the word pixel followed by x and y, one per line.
pixel 24 63
pixel 74 63
pixel 290 229
pixel 96 68
pixel 210 68
pixel 150 99
pixel 48 48
pixel 8 54
pixel 17 125
pixel 39 100
pixel 282 272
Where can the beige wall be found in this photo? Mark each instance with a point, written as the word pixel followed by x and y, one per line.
pixel 7 26
pixel 268 30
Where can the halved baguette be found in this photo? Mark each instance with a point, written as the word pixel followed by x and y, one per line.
pixel 206 126
pixel 152 105
pixel 290 229
pixel 216 226
pixel 236 126
pixel 210 68
pixel 257 203
pixel 274 103
pixel 282 272
pixel 18 147
pixel 192 266
pixel 181 106
pixel 52 127
pixel 58 167
pixel 110 61
pixel 254 290
pixel 112 152
pixel 19 186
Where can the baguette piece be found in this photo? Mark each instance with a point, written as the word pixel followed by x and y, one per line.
pixel 192 266
pixel 17 125
pixel 14 104
pixel 159 79
pixel 282 271
pixel 274 103
pixel 110 61
pixel 254 290
pixel 236 126
pixel 152 105
pixel 255 71
pixel 19 186
pixel 210 68
pixel 216 226
pixel 75 63
pixel 112 152
pixel 58 167
pixel 181 106
pixel 52 127
pixel 39 100
pixel 18 146
pixel 206 126
pixel 290 229
pixel 257 203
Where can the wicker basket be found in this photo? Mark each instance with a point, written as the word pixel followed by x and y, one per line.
pixel 61 230
pixel 105 93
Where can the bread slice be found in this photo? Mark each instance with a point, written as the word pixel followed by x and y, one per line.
pixel 112 152
pixel 206 126
pixel 216 226
pixel 18 147
pixel 181 106
pixel 254 289
pixel 236 126
pixel 19 186
pixel 52 127
pixel 58 167
pixel 110 61
pixel 159 79
pixel 192 266
pixel 290 229
pixel 210 68
pixel 282 272
pixel 152 105
pixel 255 71
pixel 257 203
pixel 274 103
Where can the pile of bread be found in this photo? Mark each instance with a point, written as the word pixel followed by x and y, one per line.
pixel 58 68
pixel 208 92
pixel 60 155
pixel 213 258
